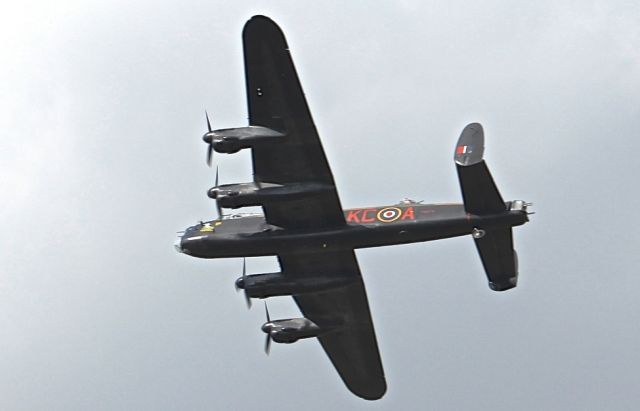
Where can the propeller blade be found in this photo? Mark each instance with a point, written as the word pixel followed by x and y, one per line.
pixel 243 266
pixel 209 154
pixel 208 122
pixel 266 310
pixel 244 277
pixel 218 207
pixel 267 344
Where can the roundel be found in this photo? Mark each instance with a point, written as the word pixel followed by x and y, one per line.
pixel 389 214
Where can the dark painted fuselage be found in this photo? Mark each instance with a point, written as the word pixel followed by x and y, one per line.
pixel 249 235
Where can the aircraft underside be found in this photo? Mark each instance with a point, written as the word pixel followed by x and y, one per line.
pixel 304 225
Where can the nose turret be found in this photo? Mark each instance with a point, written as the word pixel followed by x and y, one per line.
pixel 178 245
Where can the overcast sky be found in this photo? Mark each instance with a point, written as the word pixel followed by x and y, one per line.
pixel 101 162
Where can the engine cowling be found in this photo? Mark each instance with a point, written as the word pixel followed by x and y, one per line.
pixel 232 140
pixel 228 145
pixel 234 195
pixel 291 330
pixel 256 194
pixel 277 284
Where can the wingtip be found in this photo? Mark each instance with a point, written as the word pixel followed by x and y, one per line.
pixel 261 28
pixel 371 392
pixel 260 16
pixel 260 20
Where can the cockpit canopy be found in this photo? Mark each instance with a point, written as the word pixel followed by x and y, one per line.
pixel 408 201
pixel 240 215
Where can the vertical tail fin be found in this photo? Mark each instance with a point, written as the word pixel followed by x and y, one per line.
pixel 481 197
pixel 499 259
pixel 479 191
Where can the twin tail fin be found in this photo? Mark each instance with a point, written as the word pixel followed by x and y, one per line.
pixel 482 198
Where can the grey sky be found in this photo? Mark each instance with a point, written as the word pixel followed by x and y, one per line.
pixel 101 161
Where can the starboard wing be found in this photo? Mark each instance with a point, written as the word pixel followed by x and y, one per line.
pixel 276 101
pixel 351 344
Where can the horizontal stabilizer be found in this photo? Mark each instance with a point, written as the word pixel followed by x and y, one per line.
pixel 498 257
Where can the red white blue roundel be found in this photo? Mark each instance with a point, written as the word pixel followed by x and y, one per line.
pixel 389 214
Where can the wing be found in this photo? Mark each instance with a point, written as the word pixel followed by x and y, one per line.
pixel 352 346
pixel 276 101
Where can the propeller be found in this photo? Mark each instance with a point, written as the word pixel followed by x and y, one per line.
pixel 208 139
pixel 218 207
pixel 267 342
pixel 244 282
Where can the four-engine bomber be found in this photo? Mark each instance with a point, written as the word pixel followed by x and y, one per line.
pixel 304 225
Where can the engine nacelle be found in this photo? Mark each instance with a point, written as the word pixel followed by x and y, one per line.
pixel 256 194
pixel 291 330
pixel 232 140
pixel 277 284
pixel 225 193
